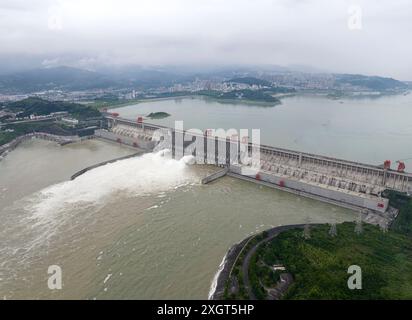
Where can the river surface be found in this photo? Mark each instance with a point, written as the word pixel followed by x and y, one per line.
pixel 140 228
pixel 366 130
pixel 145 228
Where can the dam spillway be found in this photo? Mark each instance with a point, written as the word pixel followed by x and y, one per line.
pixel 349 184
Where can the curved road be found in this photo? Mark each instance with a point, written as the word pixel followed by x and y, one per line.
pixel 272 233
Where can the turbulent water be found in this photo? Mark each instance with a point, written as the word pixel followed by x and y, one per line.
pixel 138 228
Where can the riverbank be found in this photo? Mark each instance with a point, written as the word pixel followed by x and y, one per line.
pixel 220 284
pixel 316 261
pixel 280 96
pixel 62 140
pixel 192 96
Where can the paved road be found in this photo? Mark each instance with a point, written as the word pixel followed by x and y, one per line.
pixel 272 233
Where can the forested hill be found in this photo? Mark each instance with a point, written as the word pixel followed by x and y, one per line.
pixel 371 83
pixel 39 106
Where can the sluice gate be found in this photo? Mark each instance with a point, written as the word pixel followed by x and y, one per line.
pixel 350 183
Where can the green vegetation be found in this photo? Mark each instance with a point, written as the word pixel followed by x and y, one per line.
pixel 403 222
pixel 319 264
pixel 39 106
pixel 371 83
pixel 241 95
pixel 111 103
pixel 237 269
pixel 6 137
pixel 158 115
pixel 29 127
pixel 263 96
pixel 64 78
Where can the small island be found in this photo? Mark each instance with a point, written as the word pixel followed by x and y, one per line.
pixel 158 115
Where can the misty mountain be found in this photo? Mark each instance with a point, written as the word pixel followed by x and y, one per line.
pixel 64 78
pixel 137 77
pixel 370 82
pixel 144 78
pixel 68 78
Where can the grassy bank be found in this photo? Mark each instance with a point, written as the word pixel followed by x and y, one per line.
pixel 403 223
pixel 261 100
pixel 319 264
pixel 29 127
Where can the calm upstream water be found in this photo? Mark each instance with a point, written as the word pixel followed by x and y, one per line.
pixel 145 228
pixel 366 130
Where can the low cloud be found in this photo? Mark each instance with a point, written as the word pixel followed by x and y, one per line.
pixel 280 32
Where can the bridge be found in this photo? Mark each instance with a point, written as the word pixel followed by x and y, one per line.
pixel 345 183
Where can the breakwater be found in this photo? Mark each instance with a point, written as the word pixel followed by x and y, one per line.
pixel 79 173
pixel 62 140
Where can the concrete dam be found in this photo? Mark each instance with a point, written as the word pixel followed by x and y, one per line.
pixel 345 183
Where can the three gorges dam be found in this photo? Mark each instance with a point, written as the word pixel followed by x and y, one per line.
pixel 348 184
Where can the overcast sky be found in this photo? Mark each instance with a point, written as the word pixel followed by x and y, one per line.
pixel 356 36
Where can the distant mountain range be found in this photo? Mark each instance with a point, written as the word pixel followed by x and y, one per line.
pixel 72 79
pixel 64 78
pixel 372 83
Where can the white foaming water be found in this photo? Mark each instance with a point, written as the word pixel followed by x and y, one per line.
pixel 147 174
pixel 213 285
pixel 50 209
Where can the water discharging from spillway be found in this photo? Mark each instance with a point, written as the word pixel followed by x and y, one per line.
pixel 142 227
pixel 139 176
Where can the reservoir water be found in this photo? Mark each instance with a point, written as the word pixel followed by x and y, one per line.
pixel 145 228
pixel 366 130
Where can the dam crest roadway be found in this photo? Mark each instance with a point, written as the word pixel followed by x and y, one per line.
pixel 348 184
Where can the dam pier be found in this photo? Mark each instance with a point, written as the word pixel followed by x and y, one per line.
pixel 348 184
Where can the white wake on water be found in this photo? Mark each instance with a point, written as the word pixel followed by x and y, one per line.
pixel 34 221
pixel 148 174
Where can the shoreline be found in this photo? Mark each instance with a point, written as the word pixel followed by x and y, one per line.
pixel 62 140
pixel 197 96
pixel 223 274
pixel 325 95
pixel 217 288
pixel 84 170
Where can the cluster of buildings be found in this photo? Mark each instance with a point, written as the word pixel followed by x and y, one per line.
pixel 60 95
pixel 292 80
pixel 304 81
pixel 206 85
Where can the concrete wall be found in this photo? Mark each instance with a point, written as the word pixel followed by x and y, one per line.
pixel 303 188
pixel 133 142
pixel 341 181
